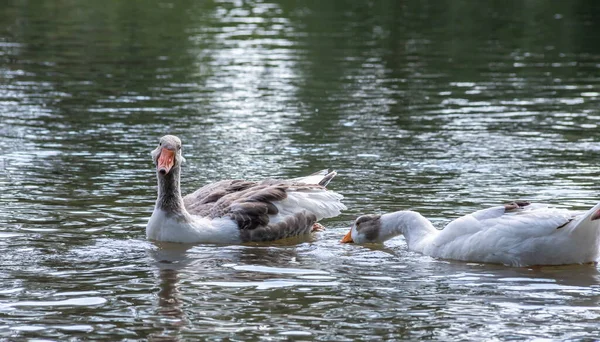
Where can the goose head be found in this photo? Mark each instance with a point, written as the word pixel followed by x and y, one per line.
pixel 365 229
pixel 167 155
pixel 380 228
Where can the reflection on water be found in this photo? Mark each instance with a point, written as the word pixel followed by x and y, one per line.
pixel 442 107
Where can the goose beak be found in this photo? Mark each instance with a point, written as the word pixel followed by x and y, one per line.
pixel 166 160
pixel 347 238
pixel 595 216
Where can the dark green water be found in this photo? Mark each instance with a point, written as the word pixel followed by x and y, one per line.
pixel 444 107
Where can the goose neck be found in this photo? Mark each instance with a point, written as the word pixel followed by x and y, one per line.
pixel 169 192
pixel 417 230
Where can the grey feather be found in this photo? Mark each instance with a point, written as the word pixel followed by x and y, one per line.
pixel 250 204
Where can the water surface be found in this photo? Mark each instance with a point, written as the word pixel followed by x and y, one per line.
pixel 443 107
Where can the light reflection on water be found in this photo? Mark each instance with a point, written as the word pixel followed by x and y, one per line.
pixel 444 119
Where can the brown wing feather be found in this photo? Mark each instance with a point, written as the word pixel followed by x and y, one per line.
pixel 298 224
pixel 250 208
pixel 201 201
pixel 250 204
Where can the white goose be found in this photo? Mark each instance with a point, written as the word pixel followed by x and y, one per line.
pixel 235 211
pixel 516 234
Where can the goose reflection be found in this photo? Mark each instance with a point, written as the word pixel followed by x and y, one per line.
pixel 170 259
pixel 231 266
pixel 585 275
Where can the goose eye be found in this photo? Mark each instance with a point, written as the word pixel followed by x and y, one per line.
pixel 160 143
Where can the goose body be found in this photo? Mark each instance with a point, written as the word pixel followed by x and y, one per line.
pixel 516 234
pixel 235 211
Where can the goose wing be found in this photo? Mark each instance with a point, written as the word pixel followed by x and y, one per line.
pixel 202 201
pixel 269 210
pixel 500 231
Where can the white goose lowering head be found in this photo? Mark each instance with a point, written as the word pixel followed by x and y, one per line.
pixel 515 234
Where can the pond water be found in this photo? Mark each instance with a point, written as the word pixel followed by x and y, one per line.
pixel 444 107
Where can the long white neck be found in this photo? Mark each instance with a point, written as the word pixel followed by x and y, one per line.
pixel 417 230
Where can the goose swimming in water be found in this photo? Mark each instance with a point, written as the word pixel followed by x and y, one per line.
pixel 516 234
pixel 236 211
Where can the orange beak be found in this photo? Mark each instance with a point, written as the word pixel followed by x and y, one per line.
pixel 166 160
pixel 347 238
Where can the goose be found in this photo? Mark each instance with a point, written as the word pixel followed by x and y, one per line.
pixel 236 211
pixel 516 234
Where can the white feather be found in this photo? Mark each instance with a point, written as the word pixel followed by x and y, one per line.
pixel 314 178
pixel 163 227
pixel 319 201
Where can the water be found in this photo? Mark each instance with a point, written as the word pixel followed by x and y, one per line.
pixel 443 107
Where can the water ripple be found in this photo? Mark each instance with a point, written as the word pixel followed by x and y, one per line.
pixel 445 119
